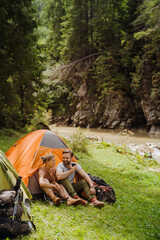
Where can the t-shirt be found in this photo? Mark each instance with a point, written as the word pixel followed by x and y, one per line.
pixel 62 168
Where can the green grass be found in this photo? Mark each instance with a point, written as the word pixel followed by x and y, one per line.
pixel 8 137
pixel 135 215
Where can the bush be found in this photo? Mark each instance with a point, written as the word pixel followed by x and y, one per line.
pixel 9 132
pixel 79 142
pixel 41 119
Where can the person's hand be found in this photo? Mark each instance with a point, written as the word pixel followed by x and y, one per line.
pixel 56 186
pixel 74 168
pixel 92 190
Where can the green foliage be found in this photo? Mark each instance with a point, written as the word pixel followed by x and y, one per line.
pixel 10 115
pixel 54 11
pixel 20 65
pixel 155 94
pixel 107 15
pixel 9 132
pixel 74 29
pixel 105 144
pixel 138 74
pixel 60 97
pixel 147 21
pixel 79 142
pixel 147 57
pixel 8 137
pixel 41 119
pixel 108 75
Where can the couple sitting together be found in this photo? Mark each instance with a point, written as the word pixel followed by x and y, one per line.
pixel 58 183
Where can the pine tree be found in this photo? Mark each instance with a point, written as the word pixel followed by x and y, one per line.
pixel 54 11
pixel 20 67
pixel 74 43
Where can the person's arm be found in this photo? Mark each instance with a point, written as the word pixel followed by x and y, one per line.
pixel 85 176
pixel 44 184
pixel 62 175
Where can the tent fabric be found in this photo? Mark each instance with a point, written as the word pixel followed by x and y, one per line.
pixel 25 154
pixel 51 140
pixel 8 178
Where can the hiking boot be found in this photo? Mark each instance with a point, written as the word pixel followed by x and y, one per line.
pixel 97 203
pixel 72 201
pixel 56 200
pixel 82 201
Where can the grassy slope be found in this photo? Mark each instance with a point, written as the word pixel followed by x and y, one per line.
pixel 136 215
pixel 8 138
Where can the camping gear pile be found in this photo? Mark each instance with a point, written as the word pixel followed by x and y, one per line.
pixel 104 191
pixel 15 216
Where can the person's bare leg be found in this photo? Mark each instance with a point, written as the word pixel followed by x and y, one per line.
pixel 55 199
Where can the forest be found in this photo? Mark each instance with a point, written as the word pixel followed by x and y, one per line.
pixel 87 63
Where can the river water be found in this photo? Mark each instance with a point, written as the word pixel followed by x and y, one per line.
pixel 113 136
pixel 138 141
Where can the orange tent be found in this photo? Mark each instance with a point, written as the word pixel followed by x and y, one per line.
pixel 25 155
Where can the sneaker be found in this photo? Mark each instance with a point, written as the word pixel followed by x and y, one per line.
pixel 72 201
pixel 57 202
pixel 97 204
pixel 82 201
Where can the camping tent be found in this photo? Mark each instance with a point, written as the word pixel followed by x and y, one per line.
pixel 8 179
pixel 25 155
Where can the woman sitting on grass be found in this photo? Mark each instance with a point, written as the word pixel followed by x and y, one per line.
pixel 47 182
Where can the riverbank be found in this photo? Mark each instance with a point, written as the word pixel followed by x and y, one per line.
pixel 113 136
pixel 140 142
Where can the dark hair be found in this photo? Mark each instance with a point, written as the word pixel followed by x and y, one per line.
pixel 47 157
pixel 68 151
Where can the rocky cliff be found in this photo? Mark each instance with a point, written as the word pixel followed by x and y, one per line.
pixel 116 109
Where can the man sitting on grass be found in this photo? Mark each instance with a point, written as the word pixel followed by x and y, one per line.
pixel 65 174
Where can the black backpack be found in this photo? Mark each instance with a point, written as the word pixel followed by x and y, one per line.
pixel 11 210
pixel 104 191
